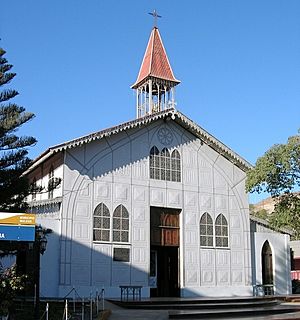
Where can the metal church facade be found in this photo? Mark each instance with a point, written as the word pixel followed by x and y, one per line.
pixel 155 202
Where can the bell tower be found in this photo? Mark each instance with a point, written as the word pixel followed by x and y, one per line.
pixel 155 84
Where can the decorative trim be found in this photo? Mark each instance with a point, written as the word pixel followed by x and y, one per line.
pixel 170 114
pixel 42 203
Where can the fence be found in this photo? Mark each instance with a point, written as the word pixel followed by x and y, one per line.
pixel 71 307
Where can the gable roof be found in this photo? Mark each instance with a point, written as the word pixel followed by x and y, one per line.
pixel 170 114
pixel 267 224
pixel 155 62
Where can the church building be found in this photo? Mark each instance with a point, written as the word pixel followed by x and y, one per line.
pixel 156 202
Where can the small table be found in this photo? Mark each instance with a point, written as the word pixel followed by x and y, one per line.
pixel 130 291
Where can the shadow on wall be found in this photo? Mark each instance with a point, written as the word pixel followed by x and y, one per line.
pixel 92 269
pixel 93 266
pixel 77 261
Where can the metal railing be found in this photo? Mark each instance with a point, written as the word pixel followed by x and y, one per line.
pixel 78 308
pixel 261 290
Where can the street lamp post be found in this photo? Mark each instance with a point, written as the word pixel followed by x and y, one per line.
pixel 40 245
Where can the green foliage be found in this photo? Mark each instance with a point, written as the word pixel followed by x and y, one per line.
pixel 278 173
pixel 13 149
pixel 10 284
pixel 262 213
pixel 278 170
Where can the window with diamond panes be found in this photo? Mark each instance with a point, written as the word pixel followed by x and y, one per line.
pixel 206 231
pixel 175 166
pixel 101 227
pixel 34 187
pixel 50 183
pixel 165 165
pixel 154 163
pixel 221 231
pixel 121 224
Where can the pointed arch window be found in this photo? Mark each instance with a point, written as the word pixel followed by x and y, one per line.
pixel 267 264
pixel 50 183
pixel 175 166
pixel 101 226
pixel 221 231
pixel 154 163
pixel 165 165
pixel 33 189
pixel 206 230
pixel 121 224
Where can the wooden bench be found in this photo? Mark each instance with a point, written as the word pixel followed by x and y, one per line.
pixel 133 292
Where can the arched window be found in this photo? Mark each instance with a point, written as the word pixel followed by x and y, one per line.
pixel 206 231
pixel 33 191
pixel 154 163
pixel 175 166
pixel 121 224
pixel 50 183
pixel 221 231
pixel 267 263
pixel 101 227
pixel 165 164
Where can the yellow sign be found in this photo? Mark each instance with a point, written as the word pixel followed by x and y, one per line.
pixel 23 219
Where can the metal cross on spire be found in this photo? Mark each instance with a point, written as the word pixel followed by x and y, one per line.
pixel 155 16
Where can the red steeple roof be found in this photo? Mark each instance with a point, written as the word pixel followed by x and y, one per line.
pixel 155 62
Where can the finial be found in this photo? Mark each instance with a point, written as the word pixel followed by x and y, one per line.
pixel 155 16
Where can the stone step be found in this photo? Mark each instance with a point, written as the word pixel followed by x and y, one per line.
pixel 209 302
pixel 232 313
pixel 198 306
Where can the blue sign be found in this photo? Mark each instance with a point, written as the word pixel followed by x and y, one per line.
pixel 17 233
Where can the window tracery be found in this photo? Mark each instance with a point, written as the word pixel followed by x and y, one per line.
pixel 221 231
pixel 165 165
pixel 121 224
pixel 206 230
pixel 101 225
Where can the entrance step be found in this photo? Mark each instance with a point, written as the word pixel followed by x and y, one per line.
pixel 196 305
pixel 239 313
pixel 217 308
pixel 173 303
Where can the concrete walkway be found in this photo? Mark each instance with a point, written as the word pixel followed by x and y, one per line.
pixel 118 313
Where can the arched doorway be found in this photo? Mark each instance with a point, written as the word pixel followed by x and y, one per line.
pixel 164 255
pixel 267 268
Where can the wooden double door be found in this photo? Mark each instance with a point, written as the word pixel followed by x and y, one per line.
pixel 164 256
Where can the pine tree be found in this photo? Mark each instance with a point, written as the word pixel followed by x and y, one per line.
pixel 13 149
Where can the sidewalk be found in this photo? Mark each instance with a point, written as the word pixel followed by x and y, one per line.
pixel 118 313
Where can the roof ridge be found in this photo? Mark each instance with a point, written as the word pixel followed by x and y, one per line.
pixel 152 50
pixel 176 116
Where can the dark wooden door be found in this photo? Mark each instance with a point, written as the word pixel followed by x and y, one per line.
pixel 165 242
pixel 164 227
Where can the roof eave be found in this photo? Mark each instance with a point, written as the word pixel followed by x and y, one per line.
pixel 180 118
pixel 142 81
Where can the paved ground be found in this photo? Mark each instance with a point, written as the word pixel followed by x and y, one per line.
pixel 136 314
pixel 118 313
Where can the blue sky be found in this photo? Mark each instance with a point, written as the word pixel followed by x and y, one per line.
pixel 238 62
